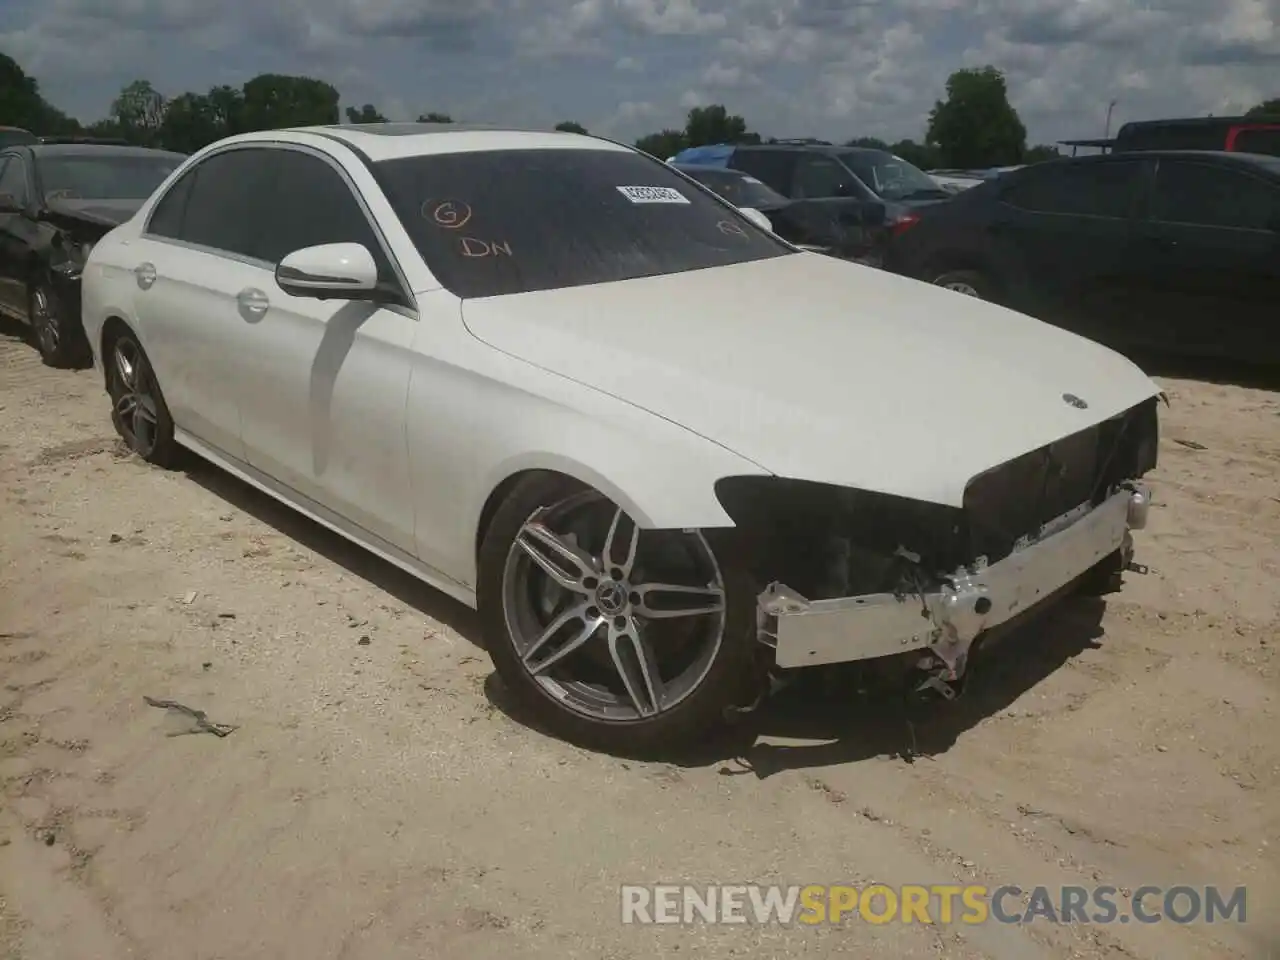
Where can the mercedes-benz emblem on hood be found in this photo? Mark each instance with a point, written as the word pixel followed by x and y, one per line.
pixel 1073 400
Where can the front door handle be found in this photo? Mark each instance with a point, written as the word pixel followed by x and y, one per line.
pixel 145 275
pixel 252 304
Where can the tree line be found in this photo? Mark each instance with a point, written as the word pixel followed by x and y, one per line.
pixel 973 126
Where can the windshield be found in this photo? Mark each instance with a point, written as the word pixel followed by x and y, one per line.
pixel 104 177
pixel 738 188
pixel 490 223
pixel 890 177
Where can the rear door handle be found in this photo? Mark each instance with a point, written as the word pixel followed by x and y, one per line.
pixel 145 275
pixel 252 304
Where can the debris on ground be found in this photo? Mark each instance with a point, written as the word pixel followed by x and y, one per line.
pixel 202 721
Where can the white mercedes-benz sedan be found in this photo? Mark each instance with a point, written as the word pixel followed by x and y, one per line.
pixel 667 455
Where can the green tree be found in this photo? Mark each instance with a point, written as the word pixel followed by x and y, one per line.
pixel 434 117
pixel 1267 108
pixel 714 124
pixel 569 126
pixel 663 144
pixel 976 126
pixel 917 154
pixel 20 102
pixel 190 122
pixel 273 101
pixel 226 104
pixel 1040 153
pixel 366 114
pixel 871 143
pixel 138 112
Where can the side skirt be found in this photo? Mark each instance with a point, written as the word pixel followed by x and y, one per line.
pixel 328 519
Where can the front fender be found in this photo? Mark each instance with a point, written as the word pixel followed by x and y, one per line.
pixel 663 476
pixel 513 418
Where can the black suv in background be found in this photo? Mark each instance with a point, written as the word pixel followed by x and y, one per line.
pixel 1173 250
pixel 851 201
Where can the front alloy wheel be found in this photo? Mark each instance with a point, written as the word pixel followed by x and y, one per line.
pixel 626 638
pixel 55 336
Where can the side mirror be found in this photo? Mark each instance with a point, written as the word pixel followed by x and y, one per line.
pixel 345 271
pixel 843 190
pixel 756 217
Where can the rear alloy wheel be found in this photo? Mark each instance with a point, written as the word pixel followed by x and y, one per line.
pixel 55 336
pixel 968 282
pixel 623 639
pixel 138 410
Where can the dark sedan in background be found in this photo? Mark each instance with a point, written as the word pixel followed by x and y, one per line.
pixel 851 201
pixel 56 201
pixel 13 136
pixel 1176 251
pixel 746 192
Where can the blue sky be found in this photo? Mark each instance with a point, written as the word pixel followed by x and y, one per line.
pixel 826 68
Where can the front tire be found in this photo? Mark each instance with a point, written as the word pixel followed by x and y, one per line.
pixel 633 642
pixel 58 337
pixel 138 410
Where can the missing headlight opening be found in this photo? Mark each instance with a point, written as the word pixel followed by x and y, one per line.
pixel 907 589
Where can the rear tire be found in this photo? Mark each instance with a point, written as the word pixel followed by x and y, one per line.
pixel 971 283
pixel 588 696
pixel 138 410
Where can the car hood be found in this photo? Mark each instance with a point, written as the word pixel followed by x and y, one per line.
pixel 819 369
pixel 100 213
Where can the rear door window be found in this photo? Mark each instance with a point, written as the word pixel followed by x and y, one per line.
pixel 1207 196
pixel 1109 190
pixel 217 204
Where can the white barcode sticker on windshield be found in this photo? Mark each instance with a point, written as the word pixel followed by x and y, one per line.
pixel 653 195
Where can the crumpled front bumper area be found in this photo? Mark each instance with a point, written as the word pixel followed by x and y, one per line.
pixel 945 621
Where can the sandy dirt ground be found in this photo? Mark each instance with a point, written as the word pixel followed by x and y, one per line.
pixel 377 800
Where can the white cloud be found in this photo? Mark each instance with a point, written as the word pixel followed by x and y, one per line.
pixel 833 68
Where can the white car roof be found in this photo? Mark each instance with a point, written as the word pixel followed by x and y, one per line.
pixel 391 141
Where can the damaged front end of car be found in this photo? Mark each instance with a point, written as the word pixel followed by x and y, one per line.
pixel 907 589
